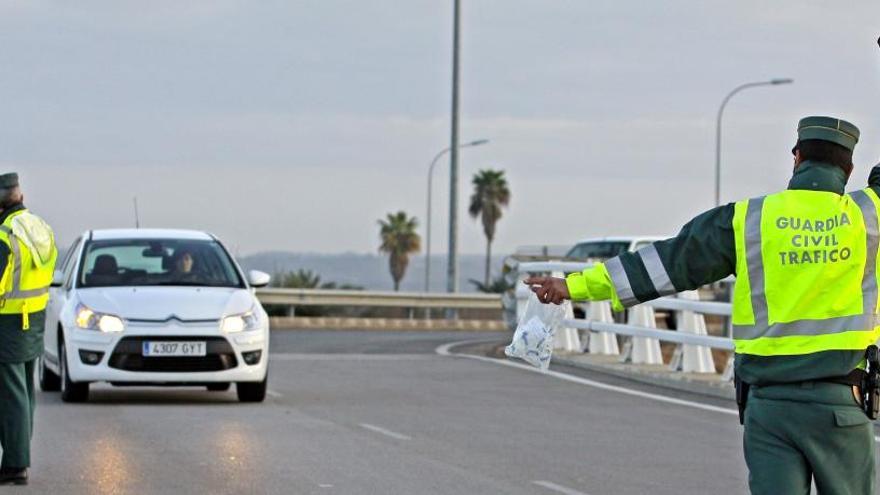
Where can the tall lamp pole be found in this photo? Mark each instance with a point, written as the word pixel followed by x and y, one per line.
pixel 452 263
pixel 428 215
pixel 772 82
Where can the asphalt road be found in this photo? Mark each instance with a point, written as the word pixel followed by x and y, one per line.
pixel 382 413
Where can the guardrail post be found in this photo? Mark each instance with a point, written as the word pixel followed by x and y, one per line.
pixel 522 293
pixel 692 358
pixel 601 342
pixel 642 350
pixel 566 339
pixel 509 308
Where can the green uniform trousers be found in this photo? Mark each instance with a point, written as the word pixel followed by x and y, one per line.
pixel 17 400
pixel 811 431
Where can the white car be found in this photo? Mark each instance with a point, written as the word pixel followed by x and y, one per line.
pixel 154 307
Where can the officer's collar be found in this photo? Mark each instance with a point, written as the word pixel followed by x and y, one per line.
pixel 818 176
pixel 9 211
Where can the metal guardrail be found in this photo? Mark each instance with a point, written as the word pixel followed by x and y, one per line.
pixel 693 335
pixel 702 307
pixel 552 266
pixel 665 335
pixel 358 298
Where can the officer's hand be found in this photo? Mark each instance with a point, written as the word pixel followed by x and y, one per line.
pixel 549 289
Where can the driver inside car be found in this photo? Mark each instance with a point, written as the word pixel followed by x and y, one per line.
pixel 183 268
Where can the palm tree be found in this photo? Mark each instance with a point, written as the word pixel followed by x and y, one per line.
pixel 490 195
pixel 307 279
pixel 499 285
pixel 399 240
pixel 300 279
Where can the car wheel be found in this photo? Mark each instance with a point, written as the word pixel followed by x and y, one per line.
pixel 49 381
pixel 252 391
pixel 70 391
pixel 218 387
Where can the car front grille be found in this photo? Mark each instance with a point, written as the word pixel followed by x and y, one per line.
pixel 128 356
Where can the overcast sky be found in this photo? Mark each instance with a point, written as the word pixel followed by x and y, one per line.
pixel 295 125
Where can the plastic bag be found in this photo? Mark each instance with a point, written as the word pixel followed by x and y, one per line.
pixel 533 339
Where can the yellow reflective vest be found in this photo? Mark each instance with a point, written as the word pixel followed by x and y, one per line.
pixel 24 285
pixel 806 264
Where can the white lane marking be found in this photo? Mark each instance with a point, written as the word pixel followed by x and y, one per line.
pixel 293 356
pixel 324 485
pixel 557 488
pixel 272 393
pixel 383 431
pixel 444 350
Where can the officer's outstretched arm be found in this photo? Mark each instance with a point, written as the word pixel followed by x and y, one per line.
pixel 703 252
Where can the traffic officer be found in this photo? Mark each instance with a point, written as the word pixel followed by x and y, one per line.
pixel 804 308
pixel 27 263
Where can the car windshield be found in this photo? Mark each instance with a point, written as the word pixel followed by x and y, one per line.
pixel 152 262
pixel 598 250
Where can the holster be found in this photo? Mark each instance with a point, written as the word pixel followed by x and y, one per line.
pixel 870 388
pixel 742 397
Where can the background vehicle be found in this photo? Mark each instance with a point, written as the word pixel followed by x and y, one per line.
pixel 603 248
pixel 154 307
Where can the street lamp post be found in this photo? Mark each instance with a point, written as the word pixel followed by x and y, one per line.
pixel 428 214
pixel 452 255
pixel 772 82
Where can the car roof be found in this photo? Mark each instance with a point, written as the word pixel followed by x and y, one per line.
pixel 108 234
pixel 629 239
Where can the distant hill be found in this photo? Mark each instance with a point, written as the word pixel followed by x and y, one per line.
pixel 371 270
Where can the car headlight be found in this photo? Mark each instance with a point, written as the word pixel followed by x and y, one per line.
pixel 240 323
pixel 88 319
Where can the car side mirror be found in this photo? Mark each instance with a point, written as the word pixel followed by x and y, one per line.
pixel 57 278
pixel 257 278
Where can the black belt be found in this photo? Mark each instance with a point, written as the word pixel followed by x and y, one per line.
pixel 855 377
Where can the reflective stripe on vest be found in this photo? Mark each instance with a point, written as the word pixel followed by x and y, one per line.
pixel 621 282
pixel 832 324
pixel 659 277
pixel 24 286
pixel 14 290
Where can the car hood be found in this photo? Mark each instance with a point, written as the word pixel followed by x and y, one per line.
pixel 163 303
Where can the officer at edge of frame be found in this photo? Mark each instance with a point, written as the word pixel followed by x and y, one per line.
pixel 27 264
pixel 804 307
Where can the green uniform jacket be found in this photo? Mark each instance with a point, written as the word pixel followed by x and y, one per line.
pixel 704 252
pixel 17 345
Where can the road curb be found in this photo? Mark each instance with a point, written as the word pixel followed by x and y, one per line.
pixel 660 377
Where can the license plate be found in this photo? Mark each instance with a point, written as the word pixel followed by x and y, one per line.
pixel 153 349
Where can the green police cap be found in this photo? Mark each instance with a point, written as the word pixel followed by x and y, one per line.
pixel 8 180
pixel 829 129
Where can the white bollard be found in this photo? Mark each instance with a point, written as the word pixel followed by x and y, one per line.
pixel 566 339
pixel 693 358
pixel 601 342
pixel 522 292
pixel 642 350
